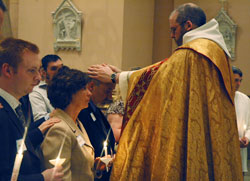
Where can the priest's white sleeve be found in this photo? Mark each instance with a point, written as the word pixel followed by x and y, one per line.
pixel 123 83
pixel 248 118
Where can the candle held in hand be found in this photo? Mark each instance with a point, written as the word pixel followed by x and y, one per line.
pixel 17 164
pixel 19 157
pixel 105 148
pixel 58 161
pixel 244 130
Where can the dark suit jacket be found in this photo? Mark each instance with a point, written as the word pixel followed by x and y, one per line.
pixel 35 135
pixel 97 130
pixel 11 129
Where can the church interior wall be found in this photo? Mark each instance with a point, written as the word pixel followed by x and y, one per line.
pixel 102 28
pixel 114 32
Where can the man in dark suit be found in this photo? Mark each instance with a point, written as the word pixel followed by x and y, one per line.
pixel 19 65
pixel 34 133
pixel 95 123
pixel 38 128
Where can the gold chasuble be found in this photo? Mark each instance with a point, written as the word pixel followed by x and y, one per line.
pixel 184 127
pixel 140 81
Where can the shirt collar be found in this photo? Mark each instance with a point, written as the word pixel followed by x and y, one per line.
pixel 42 84
pixel 11 100
pixel 92 105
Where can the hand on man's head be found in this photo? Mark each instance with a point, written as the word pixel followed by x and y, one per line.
pixel 100 72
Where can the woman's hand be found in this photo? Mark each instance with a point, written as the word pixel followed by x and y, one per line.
pixel 244 142
pixel 101 166
pixel 53 174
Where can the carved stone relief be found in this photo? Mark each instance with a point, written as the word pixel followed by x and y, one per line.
pixel 67 27
pixel 228 29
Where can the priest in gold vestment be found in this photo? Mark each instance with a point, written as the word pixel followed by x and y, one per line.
pixel 184 125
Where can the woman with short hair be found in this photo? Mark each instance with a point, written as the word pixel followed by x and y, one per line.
pixel 68 93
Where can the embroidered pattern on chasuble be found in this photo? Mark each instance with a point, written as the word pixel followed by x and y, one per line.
pixel 177 131
pixel 223 65
pixel 139 90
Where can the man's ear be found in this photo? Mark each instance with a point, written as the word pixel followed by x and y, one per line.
pixel 43 73
pixel 7 70
pixel 189 25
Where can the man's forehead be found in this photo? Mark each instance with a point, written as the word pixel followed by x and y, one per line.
pixel 173 17
pixel 237 75
pixel 108 85
pixel 30 57
pixel 28 53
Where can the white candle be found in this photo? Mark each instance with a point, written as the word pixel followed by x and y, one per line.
pixel 17 164
pixel 19 157
pixel 105 159
pixel 244 130
pixel 105 148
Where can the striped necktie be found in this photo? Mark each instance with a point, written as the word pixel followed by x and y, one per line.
pixel 20 115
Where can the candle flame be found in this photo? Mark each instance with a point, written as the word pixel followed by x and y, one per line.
pixel 20 151
pixel 105 143
pixel 245 127
pixel 58 161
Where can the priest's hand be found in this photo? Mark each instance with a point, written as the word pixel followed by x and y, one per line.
pixel 101 72
pixel 244 142
pixel 114 68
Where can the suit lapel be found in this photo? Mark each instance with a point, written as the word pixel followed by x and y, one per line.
pixel 77 132
pixel 17 123
pixel 84 134
pixel 99 117
pixel 13 117
pixel 103 122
